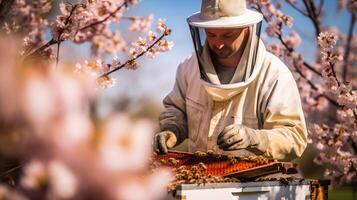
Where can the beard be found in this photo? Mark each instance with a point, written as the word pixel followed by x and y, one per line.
pixel 224 52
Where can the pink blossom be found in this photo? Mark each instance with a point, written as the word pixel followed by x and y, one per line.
pixel 92 68
pixel 151 36
pixel 272 29
pixel 126 142
pixel 165 45
pixel 287 20
pixel 64 183
pixel 133 52
pixel 151 53
pixel 116 61
pixel 108 42
pixel 35 175
pixel 275 49
pixel 106 82
pixel 293 40
pixel 322 104
pixel 326 40
pixel 140 44
pixel 161 25
pixel 65 8
pixel 348 99
pixel 39 103
pixel 142 24
pixel 153 188
pixel 8 193
pixel 55 175
pixel 66 145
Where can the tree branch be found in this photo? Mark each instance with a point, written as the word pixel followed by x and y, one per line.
pixel 315 18
pixel 43 47
pixel 302 75
pixel 53 41
pixel 133 59
pixel 286 46
pixel 348 46
pixel 61 32
pixel 105 19
pixel 334 73
pixel 280 37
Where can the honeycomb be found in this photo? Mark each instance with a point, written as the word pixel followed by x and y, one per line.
pixel 216 165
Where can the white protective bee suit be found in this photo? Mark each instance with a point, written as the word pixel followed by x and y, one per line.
pixel 265 101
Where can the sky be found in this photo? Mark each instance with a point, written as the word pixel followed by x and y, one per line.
pixel 155 77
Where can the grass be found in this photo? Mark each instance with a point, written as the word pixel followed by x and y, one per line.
pixel 343 193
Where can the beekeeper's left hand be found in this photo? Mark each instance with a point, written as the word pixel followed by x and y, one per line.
pixel 236 137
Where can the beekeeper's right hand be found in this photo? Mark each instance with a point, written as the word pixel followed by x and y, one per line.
pixel 163 141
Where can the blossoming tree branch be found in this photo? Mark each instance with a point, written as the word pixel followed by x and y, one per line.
pixel 61 151
pixel 90 22
pixel 328 84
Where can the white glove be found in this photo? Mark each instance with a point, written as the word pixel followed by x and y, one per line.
pixel 236 137
pixel 163 141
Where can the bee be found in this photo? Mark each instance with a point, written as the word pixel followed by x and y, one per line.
pixel 230 156
pixel 244 158
pixel 228 180
pixel 202 181
pixel 233 161
pixel 197 175
pixel 200 154
pixel 194 168
pixel 192 181
pixel 173 161
pixel 210 153
pixel 179 176
pixel 202 166
pixel 181 168
pixel 185 173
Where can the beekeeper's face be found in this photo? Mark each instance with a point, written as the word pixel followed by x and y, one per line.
pixel 225 43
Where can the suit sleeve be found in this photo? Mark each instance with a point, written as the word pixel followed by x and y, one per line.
pixel 174 118
pixel 283 119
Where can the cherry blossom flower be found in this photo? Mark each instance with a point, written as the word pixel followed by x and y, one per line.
pixel 51 106
pixel 165 45
pixel 327 91
pixel 327 40
pixel 141 24
pixel 161 25
pixel 272 29
pixel 293 41
pixel 54 175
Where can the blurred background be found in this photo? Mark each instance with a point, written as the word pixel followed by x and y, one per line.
pixel 140 92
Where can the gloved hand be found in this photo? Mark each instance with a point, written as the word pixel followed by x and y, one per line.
pixel 164 140
pixel 235 137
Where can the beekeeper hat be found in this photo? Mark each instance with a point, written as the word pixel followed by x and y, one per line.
pixel 224 14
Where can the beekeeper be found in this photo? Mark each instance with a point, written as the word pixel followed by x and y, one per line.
pixel 232 96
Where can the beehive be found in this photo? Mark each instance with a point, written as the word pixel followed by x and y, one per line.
pixel 226 166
